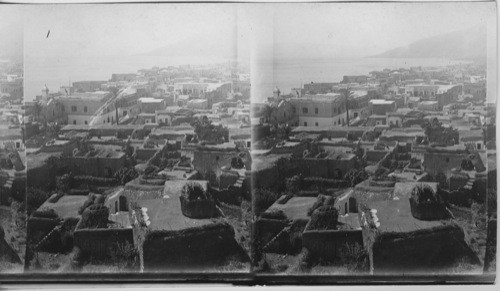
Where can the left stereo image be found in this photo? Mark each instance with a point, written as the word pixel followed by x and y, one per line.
pixel 13 204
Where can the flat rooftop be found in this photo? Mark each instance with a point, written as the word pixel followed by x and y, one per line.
pixel 395 216
pixel 67 206
pixel 295 208
pixel 166 213
pixel 381 102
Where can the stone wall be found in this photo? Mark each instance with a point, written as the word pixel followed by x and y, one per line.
pixel 324 168
pixel 196 246
pixel 330 243
pixel 94 166
pixel 394 253
pixel 99 242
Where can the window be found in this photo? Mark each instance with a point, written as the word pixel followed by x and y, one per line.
pixel 316 124
pixel 124 112
pixel 18 144
pixel 294 110
pixel 85 109
pixel 86 122
pixel 305 110
pixel 74 121
pixel 447 160
pixel 73 108
pixel 478 146
pixel 305 123
pixel 316 110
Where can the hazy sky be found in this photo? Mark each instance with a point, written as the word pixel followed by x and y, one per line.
pixel 11 32
pixel 120 30
pixel 340 29
pixel 249 32
pixel 363 29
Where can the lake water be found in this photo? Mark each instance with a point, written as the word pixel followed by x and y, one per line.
pixel 284 73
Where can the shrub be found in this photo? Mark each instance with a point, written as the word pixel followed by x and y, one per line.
pixel 274 214
pixel 193 191
pixel 355 176
pixel 324 218
pixel 124 255
pixel 35 198
pixel 87 203
pixel 354 257
pixel 64 182
pixel 294 183
pixel 262 199
pixel 427 205
pixel 126 174
pixel 95 181
pixel 467 165
pixel 151 170
pixel 77 258
pixel 95 216
pixel 320 183
pixel 55 197
pixel 319 202
pixel 46 213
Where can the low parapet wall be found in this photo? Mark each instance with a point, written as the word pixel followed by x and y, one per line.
pixel 420 250
pixel 99 242
pixel 199 245
pixel 330 243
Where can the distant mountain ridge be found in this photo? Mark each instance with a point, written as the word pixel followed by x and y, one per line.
pixel 468 44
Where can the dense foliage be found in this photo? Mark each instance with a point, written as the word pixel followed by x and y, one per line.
pixel 193 191
pixel 438 134
pixel 126 174
pixel 207 132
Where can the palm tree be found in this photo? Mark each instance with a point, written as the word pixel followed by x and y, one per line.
pixel 348 94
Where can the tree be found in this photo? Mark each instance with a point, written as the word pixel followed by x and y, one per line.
pixel 267 112
pixel 348 95
pixel 467 165
pixel 126 174
pixel 438 134
pixel 206 131
pixel 356 176
pixel 193 191
pixel 37 109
